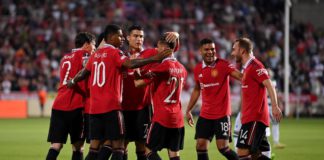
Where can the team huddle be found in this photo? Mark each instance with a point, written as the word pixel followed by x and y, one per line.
pixel 109 97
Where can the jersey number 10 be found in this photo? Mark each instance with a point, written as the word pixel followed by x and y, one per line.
pixel 99 70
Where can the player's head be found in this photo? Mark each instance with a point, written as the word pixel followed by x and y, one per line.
pixel 114 35
pixel 242 47
pixel 163 44
pixel 207 50
pixel 85 41
pixel 135 37
pixel 100 40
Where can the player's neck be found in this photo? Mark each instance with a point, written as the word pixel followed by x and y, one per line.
pixel 134 50
pixel 246 58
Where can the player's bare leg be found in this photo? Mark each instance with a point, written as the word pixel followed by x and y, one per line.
pixel 202 148
pixel 105 150
pixel 244 154
pixel 54 151
pixel 223 147
pixel 93 150
pixel 77 149
pixel 151 155
pixel 118 149
pixel 174 155
pixel 140 150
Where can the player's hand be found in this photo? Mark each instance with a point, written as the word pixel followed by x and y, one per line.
pixel 190 119
pixel 160 56
pixel 276 112
pixel 70 83
pixel 171 36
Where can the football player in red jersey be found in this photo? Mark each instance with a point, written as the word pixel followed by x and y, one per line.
pixel 212 80
pixel 255 115
pixel 105 70
pixel 136 103
pixel 68 106
pixel 167 128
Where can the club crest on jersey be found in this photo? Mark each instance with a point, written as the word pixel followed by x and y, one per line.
pixel 262 71
pixel 214 73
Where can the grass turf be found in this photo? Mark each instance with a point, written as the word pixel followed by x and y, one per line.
pixel 26 139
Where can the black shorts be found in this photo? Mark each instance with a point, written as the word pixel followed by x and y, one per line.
pixel 107 126
pixel 64 123
pixel 137 124
pixel 252 136
pixel 208 128
pixel 160 137
pixel 86 130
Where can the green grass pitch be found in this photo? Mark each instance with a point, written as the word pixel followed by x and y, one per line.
pixel 26 140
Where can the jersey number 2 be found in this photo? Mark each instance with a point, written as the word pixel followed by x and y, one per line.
pixel 173 81
pixel 68 63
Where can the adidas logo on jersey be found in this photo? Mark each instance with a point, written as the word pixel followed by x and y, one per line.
pixel 242 142
pixel 200 75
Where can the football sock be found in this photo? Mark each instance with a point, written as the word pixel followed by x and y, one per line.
pixel 118 154
pixel 104 152
pixel 175 158
pixel 267 153
pixel 92 155
pixel 263 157
pixel 229 154
pixel 141 155
pixel 202 155
pixel 246 157
pixel 125 156
pixel 52 154
pixel 275 133
pixel 77 155
pixel 153 156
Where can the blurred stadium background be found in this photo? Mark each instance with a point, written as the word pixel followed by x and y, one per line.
pixel 35 34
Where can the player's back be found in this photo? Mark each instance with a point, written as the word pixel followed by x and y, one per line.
pixel 166 91
pixel 105 79
pixel 70 99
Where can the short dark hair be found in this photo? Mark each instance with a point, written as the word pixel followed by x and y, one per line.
pixel 82 38
pixel 246 44
pixel 99 39
pixel 205 41
pixel 111 29
pixel 164 41
pixel 134 27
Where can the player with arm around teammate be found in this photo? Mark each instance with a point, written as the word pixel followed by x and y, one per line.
pixel 67 116
pixel 105 70
pixel 167 129
pixel 135 104
pixel 212 81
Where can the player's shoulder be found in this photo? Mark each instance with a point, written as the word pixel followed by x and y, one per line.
pixel 256 64
pixel 148 52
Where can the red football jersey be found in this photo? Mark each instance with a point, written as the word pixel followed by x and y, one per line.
pixel 105 80
pixel 166 85
pixel 215 90
pixel 69 99
pixel 133 98
pixel 87 96
pixel 254 94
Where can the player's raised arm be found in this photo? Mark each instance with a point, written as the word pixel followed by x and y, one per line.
pixel 193 100
pixel 135 63
pixel 276 112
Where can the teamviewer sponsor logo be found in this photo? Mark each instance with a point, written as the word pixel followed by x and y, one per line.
pixel 262 71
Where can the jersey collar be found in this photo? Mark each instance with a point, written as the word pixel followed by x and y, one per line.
pixel 76 49
pixel 248 62
pixel 170 58
pixel 204 65
pixel 108 45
